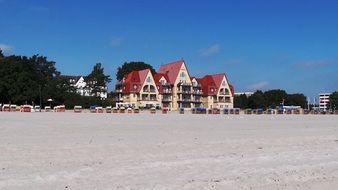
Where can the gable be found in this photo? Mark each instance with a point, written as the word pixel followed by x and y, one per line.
pixel 171 70
pixel 183 75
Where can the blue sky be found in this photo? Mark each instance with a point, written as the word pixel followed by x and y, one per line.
pixel 286 44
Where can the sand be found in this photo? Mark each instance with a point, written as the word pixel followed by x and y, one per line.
pixel 144 151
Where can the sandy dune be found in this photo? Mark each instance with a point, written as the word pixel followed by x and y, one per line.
pixel 112 151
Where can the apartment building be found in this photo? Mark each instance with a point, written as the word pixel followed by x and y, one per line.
pixel 173 87
pixel 217 92
pixel 324 101
pixel 138 89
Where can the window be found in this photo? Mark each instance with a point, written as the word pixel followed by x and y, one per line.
pixel 223 83
pixel 182 74
pixel 148 79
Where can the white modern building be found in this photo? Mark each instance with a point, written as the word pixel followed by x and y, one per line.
pixel 324 101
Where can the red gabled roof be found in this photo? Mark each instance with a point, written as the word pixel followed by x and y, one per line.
pixel 158 76
pixel 171 70
pixel 218 79
pixel 134 78
pixel 143 75
pixel 208 83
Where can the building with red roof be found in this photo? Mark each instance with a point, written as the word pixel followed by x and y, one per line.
pixel 174 88
pixel 217 92
pixel 138 89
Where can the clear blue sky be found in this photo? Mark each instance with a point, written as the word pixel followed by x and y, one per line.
pixel 260 44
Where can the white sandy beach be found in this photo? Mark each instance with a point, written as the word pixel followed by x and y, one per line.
pixel 114 151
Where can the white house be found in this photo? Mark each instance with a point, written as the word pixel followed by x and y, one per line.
pixel 80 83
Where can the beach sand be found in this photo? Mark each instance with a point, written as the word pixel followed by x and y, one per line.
pixel 144 151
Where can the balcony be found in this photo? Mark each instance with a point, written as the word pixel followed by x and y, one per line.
pixel 166 100
pixel 224 93
pixel 197 101
pixel 165 84
pixel 184 100
pixel 184 92
pixel 146 99
pixel 167 92
pixel 222 101
pixel 185 84
pixel 197 92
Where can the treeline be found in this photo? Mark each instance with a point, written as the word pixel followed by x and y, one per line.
pixel 333 104
pixel 269 99
pixel 27 80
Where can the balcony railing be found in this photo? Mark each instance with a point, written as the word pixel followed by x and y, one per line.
pixel 224 93
pixel 167 92
pixel 197 92
pixel 197 100
pixel 149 91
pixel 184 100
pixel 166 100
pixel 184 92
pixel 165 84
pixel 146 99
pixel 185 84
pixel 222 101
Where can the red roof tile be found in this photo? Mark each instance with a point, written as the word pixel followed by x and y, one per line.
pixel 134 79
pixel 158 76
pixel 218 79
pixel 172 70
pixel 208 84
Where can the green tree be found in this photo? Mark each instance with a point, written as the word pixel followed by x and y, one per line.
pixel 97 80
pixel 1 54
pixel 296 100
pixel 241 101
pixel 273 98
pixel 334 100
pixel 19 80
pixel 126 68
pixel 257 100
pixel 22 79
